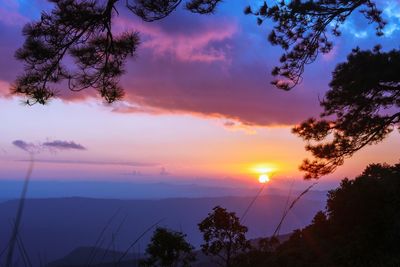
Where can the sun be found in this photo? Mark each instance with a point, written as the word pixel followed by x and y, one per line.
pixel 264 171
pixel 263 178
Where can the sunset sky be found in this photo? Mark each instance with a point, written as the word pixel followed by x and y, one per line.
pixel 198 104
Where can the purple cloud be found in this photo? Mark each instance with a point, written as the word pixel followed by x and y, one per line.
pixel 49 145
pixel 28 147
pixel 85 162
pixel 212 66
pixel 63 145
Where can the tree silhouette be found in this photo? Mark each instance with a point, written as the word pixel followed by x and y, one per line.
pixel 258 254
pixel 224 236
pixel 151 10
pixel 302 29
pixel 168 249
pixel 81 31
pixel 361 108
pixel 360 227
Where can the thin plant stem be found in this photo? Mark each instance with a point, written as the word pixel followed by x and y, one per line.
pixel 20 211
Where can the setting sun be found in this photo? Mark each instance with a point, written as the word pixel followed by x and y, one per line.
pixel 263 178
pixel 111 121
pixel 264 171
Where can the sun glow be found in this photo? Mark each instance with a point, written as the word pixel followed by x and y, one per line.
pixel 264 172
pixel 263 178
pixel 263 168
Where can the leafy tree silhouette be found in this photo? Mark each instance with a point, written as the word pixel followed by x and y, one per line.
pixel 363 103
pixel 360 227
pixel 258 254
pixel 82 30
pixel 301 29
pixel 168 249
pixel 361 108
pixel 364 112
pixel 223 235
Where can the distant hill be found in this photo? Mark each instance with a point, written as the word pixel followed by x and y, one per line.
pixel 51 228
pixel 135 190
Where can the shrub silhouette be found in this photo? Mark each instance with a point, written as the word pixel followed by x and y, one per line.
pixel 224 236
pixel 360 226
pixel 168 248
pixel 361 108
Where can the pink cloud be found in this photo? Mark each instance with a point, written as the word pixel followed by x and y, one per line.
pixel 237 126
pixel 242 94
pixel 203 66
pixel 179 70
pixel 192 48
pixel 125 107
pixel 195 47
pixel 4 89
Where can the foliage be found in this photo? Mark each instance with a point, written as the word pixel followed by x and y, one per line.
pixel 81 31
pixel 362 105
pixel 168 249
pixel 302 29
pixel 224 235
pixel 360 226
pixel 151 10
pixel 259 254
pixel 361 108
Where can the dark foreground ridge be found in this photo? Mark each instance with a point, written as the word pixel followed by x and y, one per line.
pixel 52 228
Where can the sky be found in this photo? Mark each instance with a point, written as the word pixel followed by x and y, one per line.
pixel 199 104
